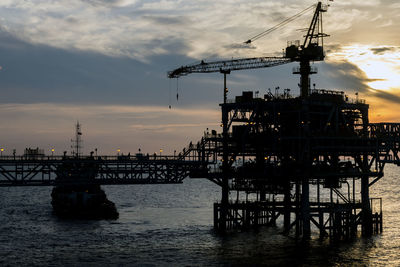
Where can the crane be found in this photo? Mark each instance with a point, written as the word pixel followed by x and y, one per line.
pixel 226 66
pixel 310 50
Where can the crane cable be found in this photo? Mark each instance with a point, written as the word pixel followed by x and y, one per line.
pixel 169 101
pixel 177 89
pixel 286 21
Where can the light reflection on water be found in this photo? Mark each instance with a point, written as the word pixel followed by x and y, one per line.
pixel 172 225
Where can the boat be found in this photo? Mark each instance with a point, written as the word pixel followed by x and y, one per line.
pixel 76 194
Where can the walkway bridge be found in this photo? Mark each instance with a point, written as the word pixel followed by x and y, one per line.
pixel 46 170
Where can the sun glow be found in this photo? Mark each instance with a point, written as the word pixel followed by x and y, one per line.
pixel 379 63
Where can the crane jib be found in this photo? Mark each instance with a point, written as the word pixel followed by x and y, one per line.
pixel 231 65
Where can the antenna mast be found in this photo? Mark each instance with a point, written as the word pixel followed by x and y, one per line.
pixel 77 142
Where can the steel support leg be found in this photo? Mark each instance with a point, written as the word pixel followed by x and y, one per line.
pixel 366 208
pixel 305 208
pixel 287 208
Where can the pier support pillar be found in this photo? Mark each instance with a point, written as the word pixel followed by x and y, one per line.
pixel 321 224
pixel 262 195
pixel 297 209
pixel 287 208
pixel 366 214
pixel 305 208
pixel 225 170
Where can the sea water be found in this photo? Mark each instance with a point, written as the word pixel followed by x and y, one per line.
pixel 172 225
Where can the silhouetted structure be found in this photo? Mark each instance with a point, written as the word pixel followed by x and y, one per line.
pixel 279 146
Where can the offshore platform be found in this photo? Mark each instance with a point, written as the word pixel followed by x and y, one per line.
pixel 308 160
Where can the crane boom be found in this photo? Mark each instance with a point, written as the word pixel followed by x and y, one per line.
pixel 225 66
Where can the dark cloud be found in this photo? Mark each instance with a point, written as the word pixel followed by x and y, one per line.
pixel 73 20
pixel 42 74
pixel 332 48
pixel 346 76
pixel 240 46
pixel 343 75
pixel 386 95
pixel 382 50
pixel 167 20
pixel 39 73
pixel 107 3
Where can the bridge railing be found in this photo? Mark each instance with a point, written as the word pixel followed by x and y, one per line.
pixel 384 130
pixel 152 157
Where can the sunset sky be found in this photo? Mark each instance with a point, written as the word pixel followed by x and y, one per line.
pixel 104 63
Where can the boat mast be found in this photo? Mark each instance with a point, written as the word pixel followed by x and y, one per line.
pixel 77 142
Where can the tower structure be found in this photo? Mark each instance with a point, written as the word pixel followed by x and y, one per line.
pixel 300 158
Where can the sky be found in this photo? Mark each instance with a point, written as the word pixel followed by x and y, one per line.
pixel 105 64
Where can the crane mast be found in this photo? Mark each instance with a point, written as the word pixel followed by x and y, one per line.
pixel 310 50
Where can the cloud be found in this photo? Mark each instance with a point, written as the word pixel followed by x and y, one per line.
pixel 240 46
pixel 389 96
pixel 130 27
pixel 350 77
pixel 365 3
pixel 344 75
pixel 382 50
pixel 332 48
pixel 104 126
pixel 141 29
pixel 167 20
pixel 40 73
pixel 111 3
pixel 171 127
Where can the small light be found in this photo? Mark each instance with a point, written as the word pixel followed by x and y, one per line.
pixel 2 149
pixel 161 150
pixel 265 157
pixel 52 150
pixel 118 150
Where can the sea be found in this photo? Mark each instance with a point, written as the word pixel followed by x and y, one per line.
pixel 172 225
